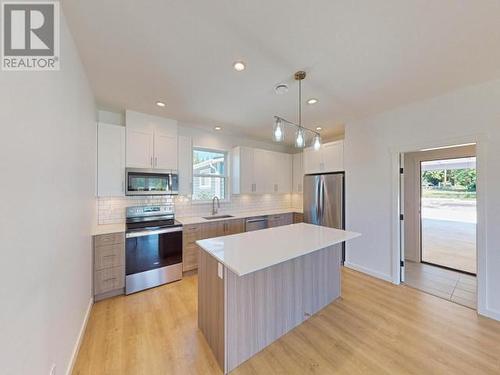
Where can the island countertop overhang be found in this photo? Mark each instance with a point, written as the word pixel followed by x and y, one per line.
pixel 249 252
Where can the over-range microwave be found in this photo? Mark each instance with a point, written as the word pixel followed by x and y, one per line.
pixel 142 181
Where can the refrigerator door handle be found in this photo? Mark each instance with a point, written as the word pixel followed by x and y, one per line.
pixel 322 201
pixel 318 208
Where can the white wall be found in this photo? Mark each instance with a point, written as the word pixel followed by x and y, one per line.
pixel 471 114
pixel 47 174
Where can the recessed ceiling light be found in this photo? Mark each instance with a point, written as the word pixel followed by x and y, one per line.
pixel 319 128
pixel 160 104
pixel 217 128
pixel 239 66
pixel 312 101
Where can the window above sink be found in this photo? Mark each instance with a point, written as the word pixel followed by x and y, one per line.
pixel 209 175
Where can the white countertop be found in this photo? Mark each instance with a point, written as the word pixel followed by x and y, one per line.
pixel 117 228
pixel 108 229
pixel 248 252
pixel 236 215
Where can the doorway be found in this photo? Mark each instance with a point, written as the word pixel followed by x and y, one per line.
pixel 448 213
pixel 439 194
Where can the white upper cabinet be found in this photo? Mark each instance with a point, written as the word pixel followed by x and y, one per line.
pixel 333 156
pixel 312 160
pixel 110 160
pixel 140 144
pixel 329 158
pixel 283 172
pixel 256 171
pixel 151 141
pixel 263 171
pixel 242 168
pixel 185 158
pixel 298 173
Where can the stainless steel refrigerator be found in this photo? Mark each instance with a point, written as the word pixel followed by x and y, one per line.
pixel 324 200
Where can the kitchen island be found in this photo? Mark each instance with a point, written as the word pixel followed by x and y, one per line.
pixel 256 286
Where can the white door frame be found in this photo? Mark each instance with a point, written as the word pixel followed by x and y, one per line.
pixel 481 141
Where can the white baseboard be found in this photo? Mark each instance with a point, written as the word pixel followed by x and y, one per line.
pixel 80 338
pixel 492 314
pixel 368 271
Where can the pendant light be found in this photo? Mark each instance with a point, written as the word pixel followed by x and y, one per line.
pixel 278 132
pixel 317 142
pixel 300 134
pixel 299 138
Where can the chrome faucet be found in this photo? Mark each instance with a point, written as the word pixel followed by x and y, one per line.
pixel 214 210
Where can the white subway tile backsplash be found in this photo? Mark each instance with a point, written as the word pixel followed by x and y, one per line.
pixel 112 210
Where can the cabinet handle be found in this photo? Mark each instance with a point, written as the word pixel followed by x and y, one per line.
pixel 109 256
pixel 151 161
pixel 112 278
pixel 156 161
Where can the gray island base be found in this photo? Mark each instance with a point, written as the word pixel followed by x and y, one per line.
pixel 247 302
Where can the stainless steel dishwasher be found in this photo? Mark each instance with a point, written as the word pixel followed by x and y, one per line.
pixel 256 223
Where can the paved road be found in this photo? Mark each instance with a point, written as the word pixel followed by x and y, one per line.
pixel 449 209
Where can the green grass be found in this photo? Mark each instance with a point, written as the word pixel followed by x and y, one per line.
pixel 429 193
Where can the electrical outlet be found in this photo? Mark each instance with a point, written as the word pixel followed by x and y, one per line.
pixel 53 370
pixel 220 271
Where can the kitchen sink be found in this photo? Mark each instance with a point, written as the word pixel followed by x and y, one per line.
pixel 217 217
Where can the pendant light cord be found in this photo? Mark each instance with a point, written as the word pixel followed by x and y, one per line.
pixel 300 103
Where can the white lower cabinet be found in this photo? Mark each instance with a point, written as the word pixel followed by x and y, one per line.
pixel 110 160
pixel 329 158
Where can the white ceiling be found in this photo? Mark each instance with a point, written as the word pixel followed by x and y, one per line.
pixel 362 57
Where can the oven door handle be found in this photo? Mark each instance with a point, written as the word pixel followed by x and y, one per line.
pixel 152 232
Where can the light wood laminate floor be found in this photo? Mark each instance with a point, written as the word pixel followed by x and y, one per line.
pixel 374 328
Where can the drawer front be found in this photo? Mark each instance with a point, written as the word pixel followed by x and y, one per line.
pixel 235 226
pixel 210 230
pixel 298 218
pixel 109 239
pixel 278 220
pixel 287 219
pixel 191 233
pixel 109 279
pixel 190 257
pixel 109 256
pixel 274 221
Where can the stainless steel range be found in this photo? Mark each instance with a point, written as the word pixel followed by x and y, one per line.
pixel 153 248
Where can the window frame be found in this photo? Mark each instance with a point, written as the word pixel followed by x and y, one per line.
pixel 224 176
